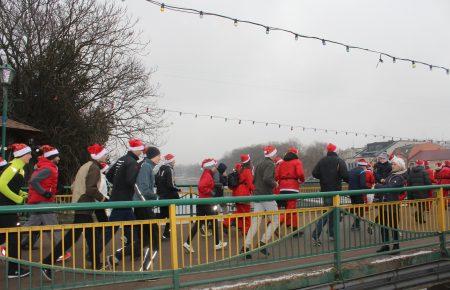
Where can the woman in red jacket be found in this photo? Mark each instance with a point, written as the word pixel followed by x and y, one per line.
pixel 245 188
pixel 206 190
pixel 443 176
pixel 289 176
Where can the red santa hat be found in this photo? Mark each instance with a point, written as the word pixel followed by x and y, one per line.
pixel 420 163
pixel 237 166
pixel 48 151
pixel 104 167
pixel 362 162
pixel 270 151
pixel 245 158
pixel 439 164
pixel 209 163
pixel 447 163
pixel 426 163
pixel 3 162
pixel 293 150
pixel 135 145
pixel 97 151
pixel 168 158
pixel 331 147
pixel 20 149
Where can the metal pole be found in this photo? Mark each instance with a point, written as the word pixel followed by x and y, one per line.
pixel 4 118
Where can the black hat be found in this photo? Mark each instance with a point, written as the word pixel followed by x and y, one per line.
pixel 152 152
pixel 221 168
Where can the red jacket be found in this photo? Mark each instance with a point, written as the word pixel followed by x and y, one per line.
pixel 276 190
pixel 290 174
pixel 206 184
pixel 49 184
pixel 246 186
pixel 370 178
pixel 431 175
pixel 443 177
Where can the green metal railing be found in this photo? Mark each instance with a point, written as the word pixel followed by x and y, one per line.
pixel 294 244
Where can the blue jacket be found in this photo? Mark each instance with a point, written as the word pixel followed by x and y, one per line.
pixel 357 179
pixel 146 180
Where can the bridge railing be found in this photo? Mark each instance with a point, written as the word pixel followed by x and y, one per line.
pixel 330 235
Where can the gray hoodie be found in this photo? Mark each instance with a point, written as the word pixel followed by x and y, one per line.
pixel 264 177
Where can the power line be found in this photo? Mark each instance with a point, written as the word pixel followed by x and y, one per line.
pixel 292 127
pixel 297 36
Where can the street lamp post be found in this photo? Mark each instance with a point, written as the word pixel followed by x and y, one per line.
pixel 6 79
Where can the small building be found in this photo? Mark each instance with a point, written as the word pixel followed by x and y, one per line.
pixel 432 156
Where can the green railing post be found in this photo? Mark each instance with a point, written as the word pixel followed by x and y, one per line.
pixel 442 221
pixel 337 236
pixel 191 207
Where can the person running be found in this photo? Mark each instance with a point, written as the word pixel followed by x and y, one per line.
pixel 356 181
pixel 290 176
pixel 166 188
pixel 11 181
pixel 85 188
pixel 245 188
pixel 145 190
pixel 331 171
pixel 206 190
pixel 417 176
pixel 123 176
pixel 264 185
pixel 443 175
pixel 43 187
pixel 388 215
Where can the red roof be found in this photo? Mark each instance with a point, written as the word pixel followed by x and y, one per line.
pixel 433 155
pixel 11 124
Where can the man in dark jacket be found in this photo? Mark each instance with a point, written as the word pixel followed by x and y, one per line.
pixel 382 168
pixel 418 176
pixel 264 184
pixel 123 176
pixel 330 170
pixel 166 189
pixel 357 181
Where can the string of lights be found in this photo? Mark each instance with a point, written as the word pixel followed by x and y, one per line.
pixel 297 36
pixel 292 127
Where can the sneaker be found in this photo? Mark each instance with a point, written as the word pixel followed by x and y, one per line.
pixel 385 248
pixel 264 251
pixel 19 273
pixel 188 248
pixel 331 238
pixel 220 245
pixel 246 250
pixel 66 256
pixel 47 273
pixel 316 242
pixel 205 233
pixel 112 260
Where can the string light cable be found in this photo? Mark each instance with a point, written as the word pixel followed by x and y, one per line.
pixel 293 127
pixel 296 35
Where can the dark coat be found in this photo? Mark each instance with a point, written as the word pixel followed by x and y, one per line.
pixel 417 176
pixel 165 186
pixel 331 170
pixel 394 180
pixel 382 171
pixel 123 176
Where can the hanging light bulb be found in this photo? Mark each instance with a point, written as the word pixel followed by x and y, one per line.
pixel 201 14
pixel 447 71
pixel 296 36
pixel 292 128
pixel 253 122
pixel 323 42
pixel 267 30
pixel 431 67
pixel 380 60
pixel 196 115
pixel 240 122
pixel 164 111
pixel 267 124
pixel 393 60
pixel 210 117
pixel 235 22
pixel 181 113
pixel 226 119
pixel 347 49
pixel 336 132
pixel 279 126
pixel 413 64
pixel 162 7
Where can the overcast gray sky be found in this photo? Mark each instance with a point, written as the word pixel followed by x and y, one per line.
pixel 209 66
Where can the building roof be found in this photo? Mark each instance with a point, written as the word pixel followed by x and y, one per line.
pixel 374 149
pixel 433 155
pixel 11 124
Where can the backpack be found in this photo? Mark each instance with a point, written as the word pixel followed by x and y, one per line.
pixel 233 180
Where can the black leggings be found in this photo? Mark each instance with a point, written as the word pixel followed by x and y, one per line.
pixel 76 234
pixel 204 210
pixel 10 221
pixel 388 216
